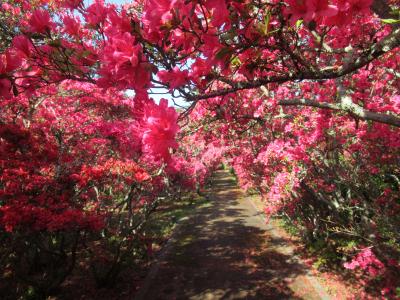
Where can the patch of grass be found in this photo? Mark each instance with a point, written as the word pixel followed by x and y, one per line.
pixel 288 226
pixel 253 192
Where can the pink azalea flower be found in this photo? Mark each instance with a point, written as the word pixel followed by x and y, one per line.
pixel 71 24
pixel 367 261
pixel 121 63
pixel 5 88
pixel 309 10
pixel 160 127
pixel 347 9
pixel 157 12
pixel 96 13
pixel 175 78
pixel 71 4
pixel 219 11
pixel 297 9
pixel 23 45
pixel 40 21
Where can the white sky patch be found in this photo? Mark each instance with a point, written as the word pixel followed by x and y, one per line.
pixel 163 93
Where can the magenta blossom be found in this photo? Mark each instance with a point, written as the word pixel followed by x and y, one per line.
pixel 175 78
pixel 160 127
pixel 40 21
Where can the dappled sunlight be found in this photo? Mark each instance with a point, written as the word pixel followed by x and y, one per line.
pixel 217 255
pixel 131 129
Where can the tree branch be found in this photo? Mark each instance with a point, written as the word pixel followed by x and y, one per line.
pixel 392 41
pixel 348 106
pixel 387 44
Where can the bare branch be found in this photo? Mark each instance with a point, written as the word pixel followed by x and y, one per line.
pixel 348 106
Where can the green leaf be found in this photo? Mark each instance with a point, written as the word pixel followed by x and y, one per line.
pixel 267 19
pixel 263 27
pixel 299 23
pixel 398 291
pixel 236 62
pixel 390 21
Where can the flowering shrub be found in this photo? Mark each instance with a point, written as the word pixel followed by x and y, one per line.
pixel 366 260
pixel 75 173
pixel 325 173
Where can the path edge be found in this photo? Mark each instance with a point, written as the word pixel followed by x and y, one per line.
pixel 155 265
pixel 322 293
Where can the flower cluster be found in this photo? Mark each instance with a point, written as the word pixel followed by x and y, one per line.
pixel 366 260
pixel 338 12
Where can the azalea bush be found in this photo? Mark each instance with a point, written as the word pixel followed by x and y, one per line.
pixel 300 97
pixel 78 184
pixel 326 174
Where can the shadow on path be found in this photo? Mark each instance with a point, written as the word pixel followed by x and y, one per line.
pixel 224 251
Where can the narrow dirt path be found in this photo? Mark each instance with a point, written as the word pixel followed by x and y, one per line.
pixel 225 250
